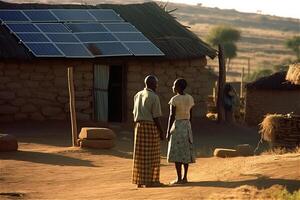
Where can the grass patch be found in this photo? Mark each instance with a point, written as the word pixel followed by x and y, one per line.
pixel 286 195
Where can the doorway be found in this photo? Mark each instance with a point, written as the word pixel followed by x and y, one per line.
pixel 109 87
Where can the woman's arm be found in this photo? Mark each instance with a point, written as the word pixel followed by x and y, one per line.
pixel 171 120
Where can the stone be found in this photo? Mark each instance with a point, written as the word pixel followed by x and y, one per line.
pixel 83 117
pixel 37 116
pixel 97 144
pixel 23 93
pixel 88 76
pixel 40 102
pixel 84 93
pixel 31 84
pixel 60 72
pixel 37 77
pixel 51 110
pixel 8 143
pixel 87 111
pixel 14 85
pixel 4 79
pixel 134 68
pixel 7 109
pixel 28 108
pixel 61 82
pixel 12 72
pixel 82 104
pixel 6 118
pixel 62 99
pixel 224 153
pixel 244 150
pixel 42 69
pixel 97 133
pixel 7 95
pixel 46 95
pixel 20 116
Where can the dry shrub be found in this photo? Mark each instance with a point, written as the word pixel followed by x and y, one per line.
pixel 269 126
pixel 293 74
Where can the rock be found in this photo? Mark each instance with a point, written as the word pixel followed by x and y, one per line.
pixel 223 153
pixel 83 117
pixel 37 116
pixel 7 95
pixel 8 143
pixel 97 144
pixel 244 150
pixel 7 109
pixel 28 108
pixel 20 116
pixel 51 111
pixel 96 133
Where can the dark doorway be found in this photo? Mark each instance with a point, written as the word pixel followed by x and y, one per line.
pixel 115 93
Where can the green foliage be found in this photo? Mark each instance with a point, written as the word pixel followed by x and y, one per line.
pixel 294 45
pixel 223 34
pixel 285 195
pixel 230 50
pixel 258 74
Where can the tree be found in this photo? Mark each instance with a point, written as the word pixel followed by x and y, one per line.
pixel 226 36
pixel 294 45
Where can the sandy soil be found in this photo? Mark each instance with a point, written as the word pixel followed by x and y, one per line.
pixel 45 167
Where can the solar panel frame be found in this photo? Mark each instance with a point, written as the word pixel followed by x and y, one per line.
pixel 22 27
pixel 52 27
pixel 24 19
pixel 32 50
pixel 150 44
pixel 123 27
pixel 102 54
pixel 60 46
pixel 91 37
pixel 103 17
pixel 32 37
pixel 58 37
pixel 32 18
pixel 60 15
pixel 86 27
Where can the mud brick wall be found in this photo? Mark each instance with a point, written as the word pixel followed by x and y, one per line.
pixel 39 90
pixel 262 102
pixel 200 81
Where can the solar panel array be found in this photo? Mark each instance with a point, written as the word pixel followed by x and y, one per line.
pixel 79 33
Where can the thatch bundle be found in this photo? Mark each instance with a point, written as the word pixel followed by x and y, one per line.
pixel 281 130
pixel 293 74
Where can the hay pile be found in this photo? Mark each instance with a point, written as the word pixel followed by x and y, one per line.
pixel 281 131
pixel 293 74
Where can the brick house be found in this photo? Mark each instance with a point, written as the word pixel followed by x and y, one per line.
pixel 36 88
pixel 271 95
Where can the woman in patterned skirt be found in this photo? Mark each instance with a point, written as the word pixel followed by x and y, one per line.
pixel 179 133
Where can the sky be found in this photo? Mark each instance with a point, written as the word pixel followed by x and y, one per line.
pixel 283 8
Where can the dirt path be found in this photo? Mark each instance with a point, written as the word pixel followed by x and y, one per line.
pixel 45 168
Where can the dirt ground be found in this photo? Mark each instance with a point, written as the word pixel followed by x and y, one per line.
pixel 45 167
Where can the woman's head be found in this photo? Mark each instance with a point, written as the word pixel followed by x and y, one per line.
pixel 179 85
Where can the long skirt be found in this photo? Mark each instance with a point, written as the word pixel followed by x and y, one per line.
pixel 146 155
pixel 180 147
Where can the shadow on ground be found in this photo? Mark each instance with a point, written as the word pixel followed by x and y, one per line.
pixel 45 158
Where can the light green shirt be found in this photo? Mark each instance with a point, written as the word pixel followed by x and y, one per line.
pixel 146 106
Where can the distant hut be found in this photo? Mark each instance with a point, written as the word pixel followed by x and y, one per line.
pixel 36 88
pixel 270 95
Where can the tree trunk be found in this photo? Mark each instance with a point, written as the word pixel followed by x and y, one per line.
pixel 221 83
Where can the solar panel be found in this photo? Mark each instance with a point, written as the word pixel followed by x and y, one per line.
pixel 143 49
pixel 130 37
pixel 105 15
pixel 12 16
pixel 32 37
pixel 22 28
pixel 40 15
pixel 107 49
pixel 52 28
pixel 72 15
pixel 44 50
pixel 120 27
pixel 62 37
pixel 87 27
pixel 95 37
pixel 74 50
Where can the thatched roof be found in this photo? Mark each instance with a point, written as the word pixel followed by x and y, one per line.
pixel 293 73
pixel 275 81
pixel 175 40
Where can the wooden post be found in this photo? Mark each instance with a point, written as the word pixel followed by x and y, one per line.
pixel 248 73
pixel 72 106
pixel 242 83
pixel 221 83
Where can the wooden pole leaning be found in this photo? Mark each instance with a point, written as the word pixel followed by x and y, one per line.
pixel 72 106
pixel 221 83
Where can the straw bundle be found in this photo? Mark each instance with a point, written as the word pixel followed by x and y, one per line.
pixel 293 74
pixel 281 130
